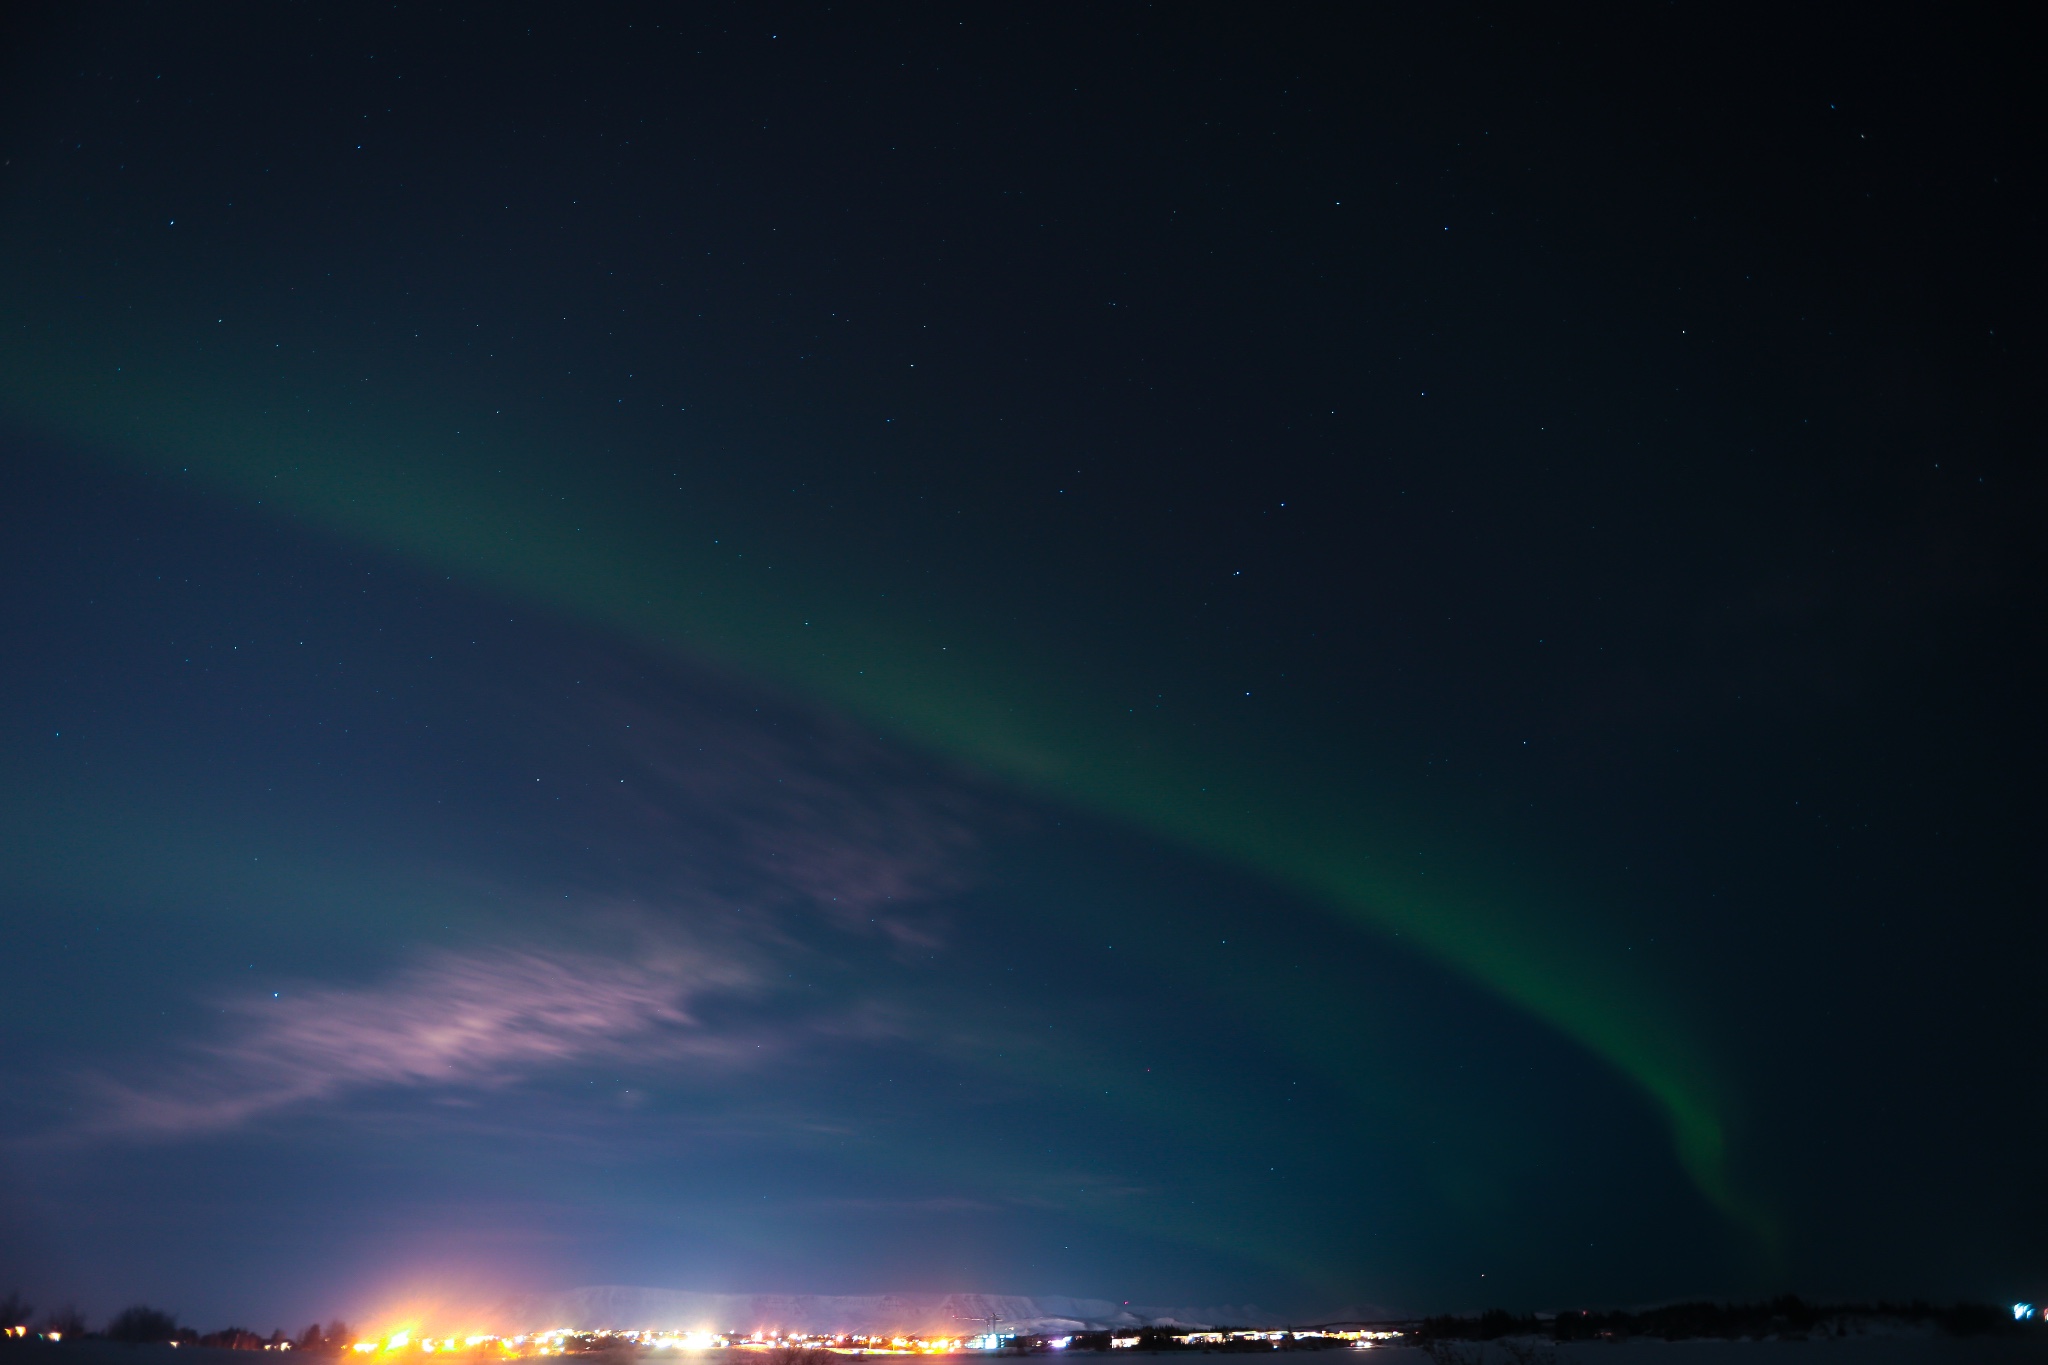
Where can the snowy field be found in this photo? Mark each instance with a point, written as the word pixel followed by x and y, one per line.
pixel 1875 1346
pixel 1872 1348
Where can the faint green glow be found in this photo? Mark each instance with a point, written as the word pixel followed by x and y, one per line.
pixel 498 514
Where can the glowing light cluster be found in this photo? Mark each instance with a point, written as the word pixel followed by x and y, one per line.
pixel 562 1341
pixel 1360 1338
pixel 553 1342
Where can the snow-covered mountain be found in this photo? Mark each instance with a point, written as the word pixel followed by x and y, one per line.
pixel 626 1306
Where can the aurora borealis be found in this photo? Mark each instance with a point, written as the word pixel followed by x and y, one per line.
pixel 870 652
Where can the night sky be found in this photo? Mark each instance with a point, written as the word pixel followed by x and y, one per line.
pixel 1317 657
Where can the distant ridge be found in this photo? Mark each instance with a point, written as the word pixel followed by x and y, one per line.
pixel 627 1306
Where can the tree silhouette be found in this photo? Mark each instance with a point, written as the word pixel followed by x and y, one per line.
pixel 141 1323
pixel 15 1311
pixel 233 1339
pixel 66 1322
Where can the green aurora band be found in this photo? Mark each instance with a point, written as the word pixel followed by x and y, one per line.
pixel 519 515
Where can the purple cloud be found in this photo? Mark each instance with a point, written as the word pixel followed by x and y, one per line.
pixel 688 791
pixel 749 826
pixel 454 1020
pixel 803 811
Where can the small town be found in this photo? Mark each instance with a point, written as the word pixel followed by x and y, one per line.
pixel 780 1349
pixel 801 1349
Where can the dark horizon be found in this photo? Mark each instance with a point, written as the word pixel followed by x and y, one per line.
pixel 1301 658
pixel 930 1325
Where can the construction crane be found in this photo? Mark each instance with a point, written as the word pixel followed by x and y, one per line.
pixel 993 1320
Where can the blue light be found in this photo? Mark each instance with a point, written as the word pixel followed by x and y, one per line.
pixel 2022 1311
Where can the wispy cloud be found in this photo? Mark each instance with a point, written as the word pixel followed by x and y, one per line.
pixel 788 808
pixel 480 1019
pixel 740 824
